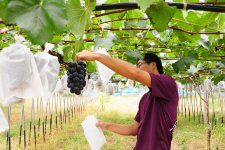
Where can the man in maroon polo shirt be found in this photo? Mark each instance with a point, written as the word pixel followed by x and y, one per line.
pixel 157 114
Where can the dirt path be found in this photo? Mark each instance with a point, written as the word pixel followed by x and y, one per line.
pixel 124 104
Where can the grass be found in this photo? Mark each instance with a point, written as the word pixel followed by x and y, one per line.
pixel 192 135
pixel 189 135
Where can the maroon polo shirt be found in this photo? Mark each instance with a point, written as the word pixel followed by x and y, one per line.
pixel 157 114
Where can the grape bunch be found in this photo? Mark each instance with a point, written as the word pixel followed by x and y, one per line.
pixel 76 76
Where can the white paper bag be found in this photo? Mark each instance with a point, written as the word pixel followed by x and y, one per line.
pixel 18 73
pixel 59 87
pixel 105 73
pixel 93 134
pixel 48 67
pixel 3 122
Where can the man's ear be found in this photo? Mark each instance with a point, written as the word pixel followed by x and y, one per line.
pixel 154 64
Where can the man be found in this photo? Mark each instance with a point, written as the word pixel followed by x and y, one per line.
pixel 157 114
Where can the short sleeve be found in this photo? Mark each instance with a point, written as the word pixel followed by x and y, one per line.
pixel 163 86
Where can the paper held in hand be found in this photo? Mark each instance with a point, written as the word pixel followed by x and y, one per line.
pixel 93 134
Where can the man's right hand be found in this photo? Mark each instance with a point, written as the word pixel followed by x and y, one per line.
pixel 102 125
pixel 86 55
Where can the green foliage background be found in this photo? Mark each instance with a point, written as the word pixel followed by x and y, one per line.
pixel 187 37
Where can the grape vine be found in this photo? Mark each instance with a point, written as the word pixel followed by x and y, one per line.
pixel 183 38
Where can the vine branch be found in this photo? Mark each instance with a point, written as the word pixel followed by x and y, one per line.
pixel 198 91
pixel 150 29
pixel 111 12
pixel 120 20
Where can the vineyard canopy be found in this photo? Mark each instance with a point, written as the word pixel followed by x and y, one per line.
pixel 189 37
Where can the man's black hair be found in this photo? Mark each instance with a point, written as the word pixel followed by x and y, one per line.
pixel 150 57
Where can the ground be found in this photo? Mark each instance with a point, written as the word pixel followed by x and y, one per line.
pixel 188 135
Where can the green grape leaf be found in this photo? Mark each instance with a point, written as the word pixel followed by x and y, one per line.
pixel 160 15
pixel 91 66
pixel 188 1
pixel 207 21
pixel 40 19
pixel 145 4
pixel 217 78
pixel 136 13
pixel 185 62
pixel 3 6
pixel 70 51
pixel 223 60
pixel 67 53
pixel 116 24
pixel 78 17
pixel 214 0
pixel 202 52
pixel 91 4
pixel 3 45
pixel 142 23
pixel 130 23
pixel 204 43
pixel 133 56
pixel 181 35
pixel 56 39
pixel 78 46
pixel 179 65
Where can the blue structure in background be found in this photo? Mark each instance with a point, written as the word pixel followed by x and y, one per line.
pixel 128 91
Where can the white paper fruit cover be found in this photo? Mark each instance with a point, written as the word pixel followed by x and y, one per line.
pixel 18 73
pixel 64 82
pixel 104 72
pixel 48 67
pixel 59 87
pixel 3 122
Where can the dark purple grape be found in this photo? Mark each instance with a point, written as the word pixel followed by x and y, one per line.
pixel 81 87
pixel 68 80
pixel 81 72
pixel 68 73
pixel 70 64
pixel 81 82
pixel 74 64
pixel 81 63
pixel 70 77
pixel 75 74
pixel 77 90
pixel 71 85
pixel 84 83
pixel 72 91
pixel 76 84
pixel 73 70
pixel 81 76
pixel 79 67
pixel 84 69
pixel 76 79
